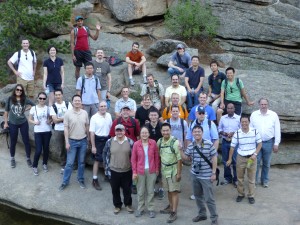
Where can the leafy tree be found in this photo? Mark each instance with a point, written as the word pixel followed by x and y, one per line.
pixel 30 18
pixel 191 19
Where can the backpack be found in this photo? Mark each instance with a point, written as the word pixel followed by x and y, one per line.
pixel 171 144
pixel 16 65
pixel 237 84
pixel 114 60
pixel 76 32
pixel 83 81
pixel 55 110
pixel 208 121
pixel 182 125
pixel 156 87
pixel 183 109
pixel 132 120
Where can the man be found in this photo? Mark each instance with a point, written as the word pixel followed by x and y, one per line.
pixel 209 112
pixel 180 62
pixel 171 167
pixel 232 91
pixel 183 113
pixel 25 60
pixel 102 71
pixel 175 88
pixel 267 123
pixel 228 125
pixel 136 62
pixel 132 125
pixel 194 77
pixel 88 87
pixel 214 89
pixel 203 175
pixel 99 132
pixel 57 112
pixel 116 153
pixel 79 41
pixel 76 129
pixel 249 145
pixel 155 90
pixel 125 100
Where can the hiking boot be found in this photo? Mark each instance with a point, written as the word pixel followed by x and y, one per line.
pixel 172 218
pixel 161 194
pixel 138 213
pixel 62 187
pixel 239 198
pixel 134 190
pixel 12 163
pixel 96 185
pixel 199 218
pixel 129 209
pixel 45 168
pixel 35 171
pixel 152 214
pixel 81 184
pixel 131 81
pixel 251 200
pixel 117 210
pixel 29 163
pixel 166 210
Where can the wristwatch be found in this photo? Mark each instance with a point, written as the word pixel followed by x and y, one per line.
pixel 255 153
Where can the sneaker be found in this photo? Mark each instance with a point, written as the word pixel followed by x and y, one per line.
pixel 214 222
pixel 152 214
pixel 225 182
pixel 12 163
pixel 199 218
pixel 131 81
pixel 129 209
pixel 62 187
pixel 172 218
pixel 251 200
pixel 29 163
pixel 192 197
pixel 239 198
pixel 134 190
pixel 266 185
pixel 45 168
pixel 138 213
pixel 161 194
pixel 96 185
pixel 166 210
pixel 117 210
pixel 81 184
pixel 35 171
pixel 62 170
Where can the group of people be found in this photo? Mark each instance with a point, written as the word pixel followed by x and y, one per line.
pixel 146 145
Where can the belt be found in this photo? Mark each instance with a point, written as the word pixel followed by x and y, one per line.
pixel 226 140
pixel 270 139
pixel 77 139
pixel 246 156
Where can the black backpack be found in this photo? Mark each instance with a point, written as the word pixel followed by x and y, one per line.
pixel 237 80
pixel 114 60
pixel 55 110
pixel 132 120
pixel 156 87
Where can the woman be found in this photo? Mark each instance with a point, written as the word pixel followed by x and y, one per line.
pixel 53 74
pixel 145 168
pixel 15 108
pixel 40 118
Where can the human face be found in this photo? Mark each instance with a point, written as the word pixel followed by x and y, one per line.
pixel 125 92
pixel 135 48
pixel 125 113
pixel 58 96
pixel 175 99
pixel 195 62
pixel 89 70
pixel 175 80
pixel 144 134
pixel 202 99
pixel 77 102
pixel 52 52
pixel 147 102
pixel 245 123
pixel 263 105
pixel 230 75
pixel 120 133
pixel 25 44
pixel 180 51
pixel 42 99
pixel 100 54
pixel 79 23
pixel 200 116
pixel 19 91
pixel 175 113
pixel 214 67
pixel 153 116
pixel 150 81
pixel 230 109
pixel 166 132
pixel 197 134
pixel 102 108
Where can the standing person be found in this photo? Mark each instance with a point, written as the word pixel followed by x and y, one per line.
pixel 125 100
pixel 100 125
pixel 142 113
pixel 88 87
pixel 79 42
pixel 200 152
pixel 15 119
pixel 39 116
pixel 171 167
pixel 116 155
pixel 136 63
pixel 249 145
pixel 180 62
pixel 102 70
pixel 76 122
pixel 228 125
pixel 194 77
pixel 54 75
pixel 175 88
pixel 145 169
pixel 267 123
pixel 26 67
pixel 214 86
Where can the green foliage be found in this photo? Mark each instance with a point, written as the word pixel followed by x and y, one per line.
pixel 29 19
pixel 191 19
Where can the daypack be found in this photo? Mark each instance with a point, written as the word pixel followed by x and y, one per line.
pixel 55 110
pixel 208 121
pixel 171 146
pixel 156 87
pixel 16 65
pixel 76 32
pixel 237 80
pixel 183 109
pixel 83 82
pixel 114 60
pixel 182 125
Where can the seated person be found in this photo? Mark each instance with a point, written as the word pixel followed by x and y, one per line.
pixel 175 88
pixel 180 62
pixel 125 100
pixel 183 113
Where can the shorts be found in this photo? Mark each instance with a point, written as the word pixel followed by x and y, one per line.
pixel 28 86
pixel 100 142
pixel 54 87
pixel 237 106
pixel 170 184
pixel 82 57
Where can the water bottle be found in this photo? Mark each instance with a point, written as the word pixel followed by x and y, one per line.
pixel 108 102
pixel 47 91
pixel 193 92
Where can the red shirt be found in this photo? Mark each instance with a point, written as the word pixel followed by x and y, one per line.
pixel 82 41
pixel 135 57
pixel 130 131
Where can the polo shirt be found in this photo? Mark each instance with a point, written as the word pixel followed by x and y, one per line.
pixel 216 82
pixel 89 93
pixel 53 70
pixel 232 92
pixel 101 125
pixel 121 102
pixel 75 122
pixel 194 76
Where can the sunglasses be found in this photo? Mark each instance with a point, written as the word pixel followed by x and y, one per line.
pixel 42 98
pixel 19 90
pixel 201 113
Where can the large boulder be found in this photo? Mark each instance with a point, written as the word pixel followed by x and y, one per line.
pixel 164 46
pixel 165 58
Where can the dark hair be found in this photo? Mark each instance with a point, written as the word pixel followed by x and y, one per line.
pixel 153 110
pixel 165 125
pixel 22 97
pixel 60 90
pixel 197 127
pixel 124 87
pixel 76 96
pixel 175 106
pixel 145 128
pixel 214 62
pixel 42 93
pixel 174 75
pixel 145 96
pixel 245 116
pixel 230 68
pixel 195 56
pixel 51 46
pixel 136 43
pixel 88 64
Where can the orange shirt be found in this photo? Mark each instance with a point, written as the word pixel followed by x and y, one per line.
pixel 135 57
pixel 183 113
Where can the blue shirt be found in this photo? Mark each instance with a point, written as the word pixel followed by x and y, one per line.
pixel 210 134
pixel 209 113
pixel 53 70
pixel 89 93
pixel 185 58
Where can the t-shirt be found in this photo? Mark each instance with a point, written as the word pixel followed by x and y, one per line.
pixel 16 111
pixel 40 114
pixel 61 110
pixel 232 92
pixel 194 76
pixel 176 129
pixel 135 57
pixel 186 59
pixel 146 156
pixel 101 69
pixel 101 125
pixel 25 64
pixel 76 122
pixel 216 82
pixel 53 70
pixel 89 93
pixel 179 90
pixel 142 114
pixel 155 132
pixel 209 113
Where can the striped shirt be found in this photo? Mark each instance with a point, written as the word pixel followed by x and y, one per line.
pixel 200 168
pixel 246 142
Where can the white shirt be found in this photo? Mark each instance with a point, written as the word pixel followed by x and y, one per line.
pixel 229 124
pixel 101 125
pixel 40 115
pixel 268 125
pixel 61 110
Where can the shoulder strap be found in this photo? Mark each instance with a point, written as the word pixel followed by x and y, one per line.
pixel 54 108
pixel 75 35
pixel 67 104
pixel 168 110
pixel 133 122
pixel 157 86
pixel 209 124
pixel 119 121
pixel 183 109
pixel 82 83
pixel 32 53
pixel 36 114
pixel 202 155
pixel 225 88
pixel 182 125
pixel 172 145
pixel 18 61
pixel 237 135
pixel 238 83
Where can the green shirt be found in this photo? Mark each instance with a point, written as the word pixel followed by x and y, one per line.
pixel 169 160
pixel 232 92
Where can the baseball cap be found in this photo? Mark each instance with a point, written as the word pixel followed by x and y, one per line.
pixel 180 46
pixel 200 109
pixel 120 127
pixel 125 107
pixel 78 18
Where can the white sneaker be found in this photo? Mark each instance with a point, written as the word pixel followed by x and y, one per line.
pixel 131 81
pixel 192 197
pixel 145 80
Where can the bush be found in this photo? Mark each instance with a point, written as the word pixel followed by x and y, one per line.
pixel 191 19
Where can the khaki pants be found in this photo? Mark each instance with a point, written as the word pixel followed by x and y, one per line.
pixel 145 188
pixel 241 167
pixel 28 86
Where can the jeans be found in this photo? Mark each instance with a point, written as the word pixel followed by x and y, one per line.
pixel 204 194
pixel 172 71
pixel 42 140
pixel 13 131
pixel 265 154
pixel 225 155
pixel 192 99
pixel 76 147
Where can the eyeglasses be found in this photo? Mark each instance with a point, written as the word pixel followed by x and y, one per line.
pixel 42 98
pixel 26 56
pixel 20 90
pixel 201 113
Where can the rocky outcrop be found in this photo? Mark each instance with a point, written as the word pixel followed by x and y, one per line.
pixel 163 46
pixel 165 58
